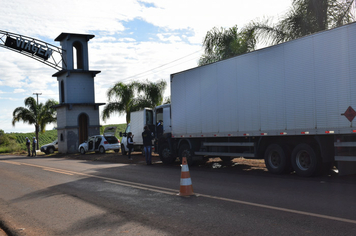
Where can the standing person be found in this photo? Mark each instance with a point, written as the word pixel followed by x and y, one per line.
pixel 28 144
pixel 147 143
pixel 34 142
pixel 160 128
pixel 130 143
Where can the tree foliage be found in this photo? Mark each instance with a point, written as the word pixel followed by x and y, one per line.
pixel 225 43
pixel 126 98
pixel 305 17
pixel 152 93
pixel 39 115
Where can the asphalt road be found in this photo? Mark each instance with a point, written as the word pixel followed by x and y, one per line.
pixel 59 196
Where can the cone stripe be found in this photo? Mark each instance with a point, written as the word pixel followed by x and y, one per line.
pixel 186 191
pixel 185 168
pixel 185 175
pixel 185 182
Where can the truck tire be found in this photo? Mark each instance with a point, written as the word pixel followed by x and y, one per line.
pixel 277 159
pixel 306 161
pixel 82 151
pixel 50 150
pixel 123 151
pixel 185 151
pixel 165 154
pixel 102 150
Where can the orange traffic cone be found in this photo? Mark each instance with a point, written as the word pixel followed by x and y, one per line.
pixel 186 188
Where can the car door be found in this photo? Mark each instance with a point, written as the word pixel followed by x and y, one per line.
pixel 97 142
pixel 91 144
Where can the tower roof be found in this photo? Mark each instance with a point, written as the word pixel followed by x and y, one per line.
pixel 64 35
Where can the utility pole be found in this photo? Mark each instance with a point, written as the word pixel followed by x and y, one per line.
pixel 37 128
pixel 37 96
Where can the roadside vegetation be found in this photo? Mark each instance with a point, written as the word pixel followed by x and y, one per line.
pixel 15 142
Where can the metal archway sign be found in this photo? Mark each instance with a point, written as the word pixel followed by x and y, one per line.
pixel 41 51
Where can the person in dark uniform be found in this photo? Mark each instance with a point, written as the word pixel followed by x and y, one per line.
pixel 28 144
pixel 160 128
pixel 147 144
pixel 34 142
pixel 130 143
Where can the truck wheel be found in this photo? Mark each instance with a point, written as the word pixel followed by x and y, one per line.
pixel 50 150
pixel 277 159
pixel 82 151
pixel 185 151
pixel 305 161
pixel 102 150
pixel 165 154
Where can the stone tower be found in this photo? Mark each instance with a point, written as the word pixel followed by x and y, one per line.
pixel 77 112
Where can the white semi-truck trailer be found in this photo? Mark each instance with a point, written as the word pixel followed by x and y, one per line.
pixel 291 104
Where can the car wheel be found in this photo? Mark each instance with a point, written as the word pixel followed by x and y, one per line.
pixel 82 151
pixel 102 150
pixel 50 150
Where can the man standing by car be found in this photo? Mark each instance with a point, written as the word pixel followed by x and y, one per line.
pixel 147 143
pixel 34 142
pixel 28 144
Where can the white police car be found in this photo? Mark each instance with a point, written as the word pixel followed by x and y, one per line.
pixel 101 143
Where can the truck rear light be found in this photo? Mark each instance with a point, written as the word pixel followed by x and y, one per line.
pixel 329 132
pixel 263 133
pixel 246 134
pixel 305 132
pixel 229 135
pixel 354 131
pixel 283 133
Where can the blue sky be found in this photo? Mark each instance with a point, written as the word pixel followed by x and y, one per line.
pixel 134 40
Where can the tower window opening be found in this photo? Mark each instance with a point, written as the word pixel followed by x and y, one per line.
pixel 62 92
pixel 78 56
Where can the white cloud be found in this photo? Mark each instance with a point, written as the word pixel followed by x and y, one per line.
pixel 19 90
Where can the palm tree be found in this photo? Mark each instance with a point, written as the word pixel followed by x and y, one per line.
pixel 153 93
pixel 35 114
pixel 305 17
pixel 121 100
pixel 222 44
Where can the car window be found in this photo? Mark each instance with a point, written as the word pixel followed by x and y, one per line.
pixel 111 139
